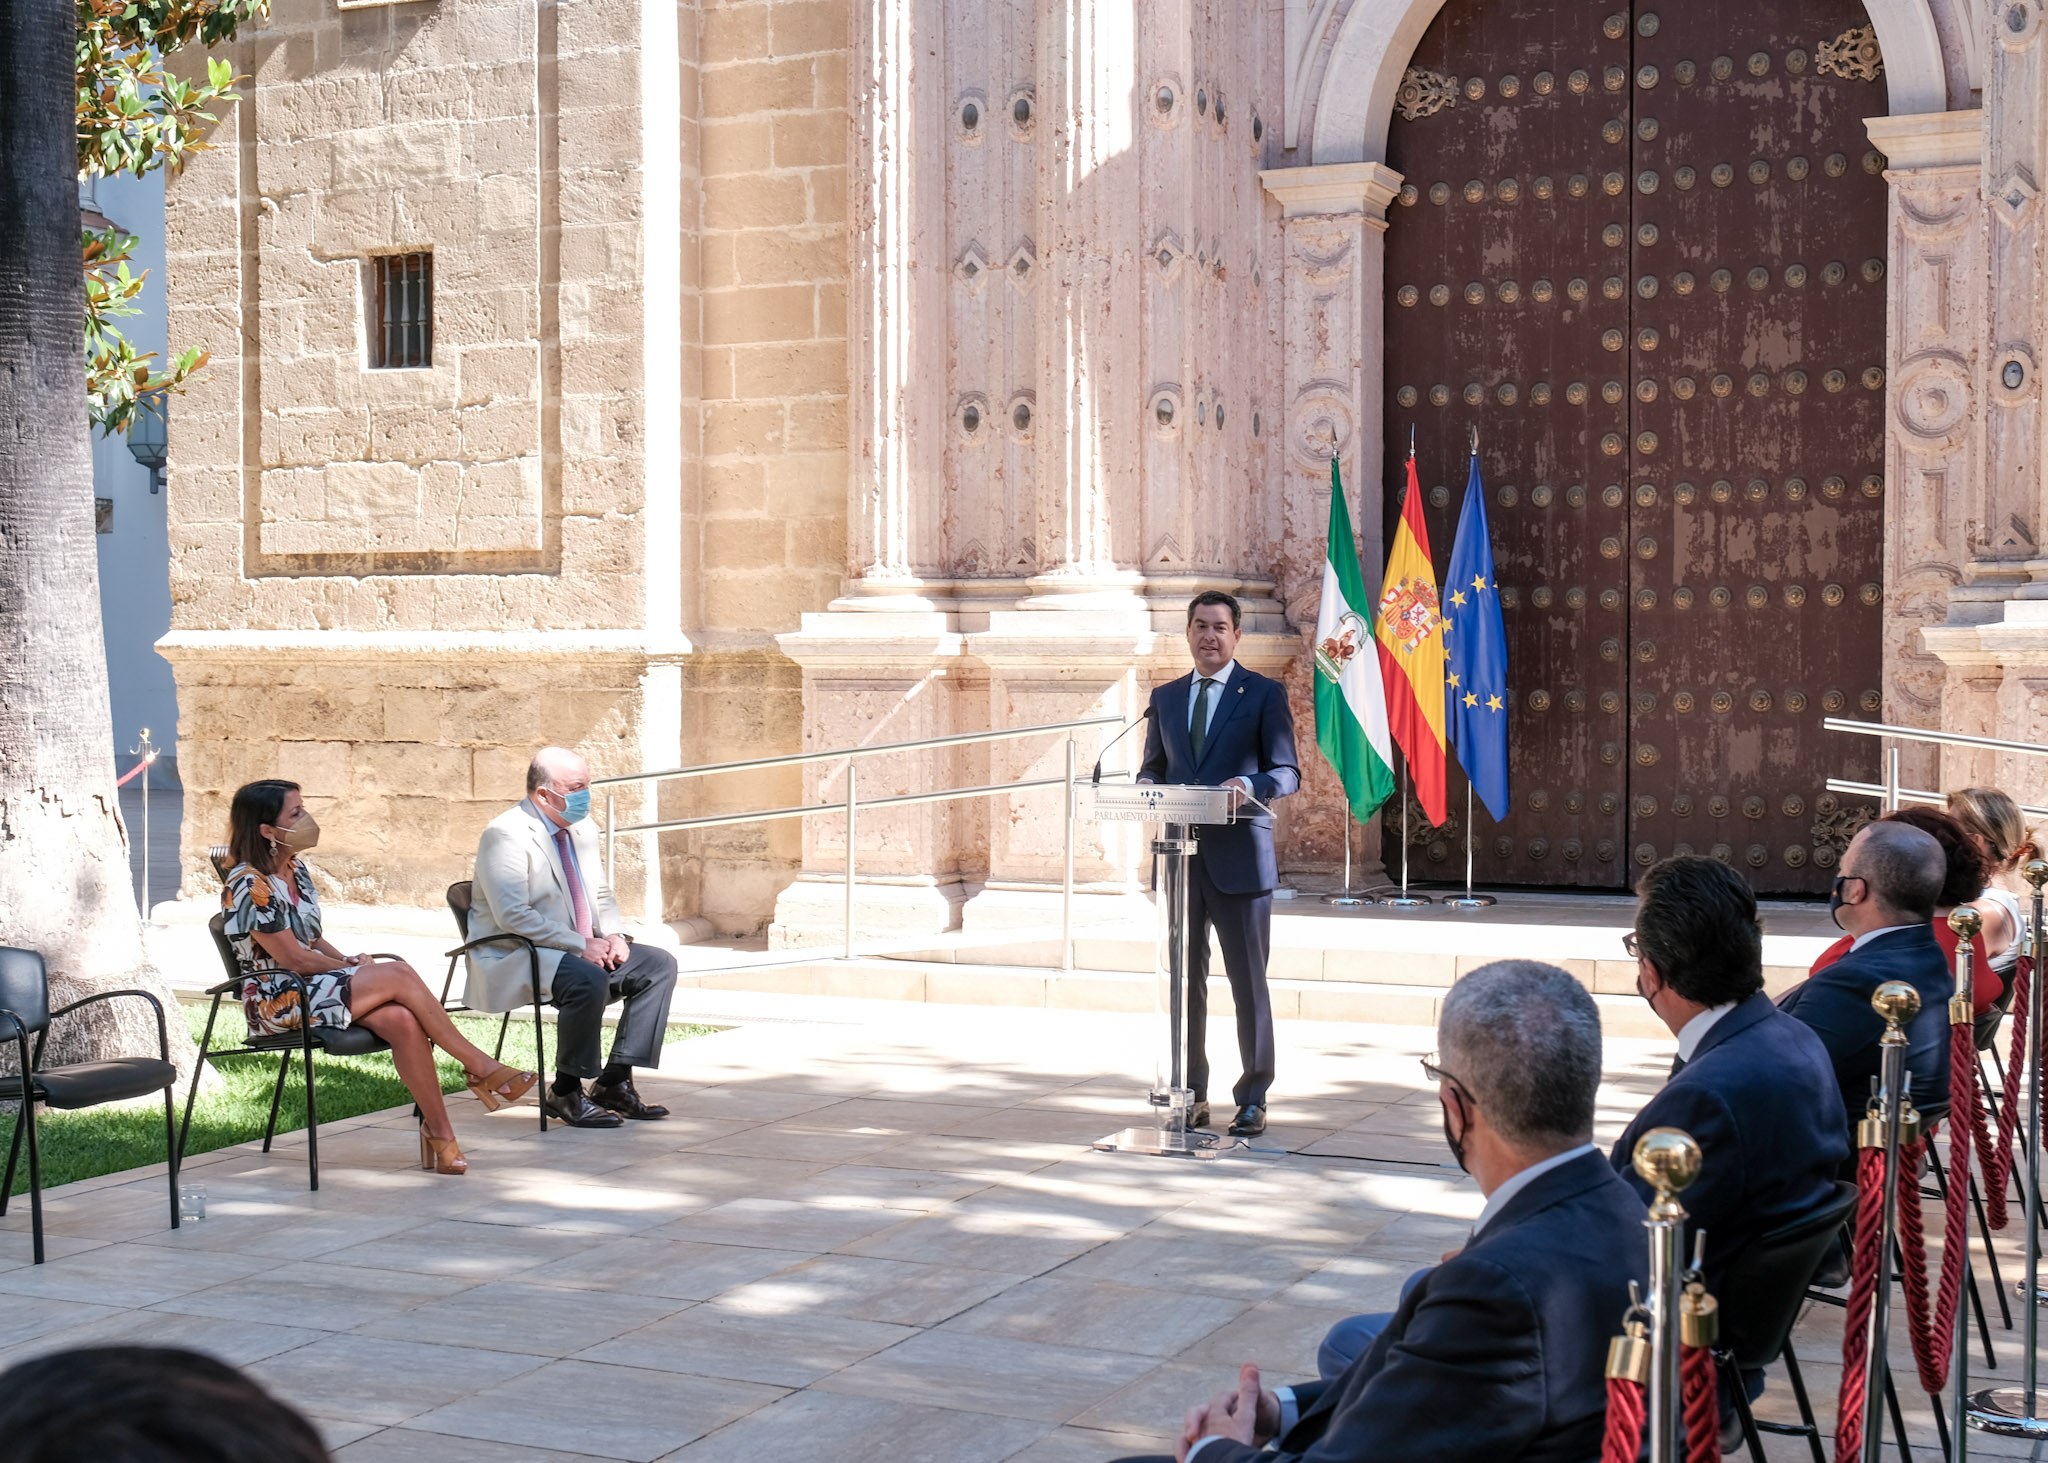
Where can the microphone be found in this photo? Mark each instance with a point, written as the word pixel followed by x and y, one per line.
pixel 1143 717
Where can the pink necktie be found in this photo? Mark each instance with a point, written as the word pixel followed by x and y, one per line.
pixel 576 899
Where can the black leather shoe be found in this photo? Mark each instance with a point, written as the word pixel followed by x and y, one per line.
pixel 577 1110
pixel 1198 1115
pixel 623 1099
pixel 1249 1122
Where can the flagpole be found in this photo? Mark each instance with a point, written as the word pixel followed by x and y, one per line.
pixel 1346 899
pixel 1405 900
pixel 1469 900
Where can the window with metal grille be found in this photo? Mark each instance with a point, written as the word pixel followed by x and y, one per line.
pixel 402 311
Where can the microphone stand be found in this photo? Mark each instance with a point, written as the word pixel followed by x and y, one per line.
pixel 1144 716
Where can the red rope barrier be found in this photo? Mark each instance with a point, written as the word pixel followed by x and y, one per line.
pixel 1995 1155
pixel 1933 1328
pixel 1862 1291
pixel 1702 1401
pixel 1623 1440
pixel 1920 1321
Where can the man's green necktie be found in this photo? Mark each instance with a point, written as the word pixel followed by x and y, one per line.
pixel 1198 728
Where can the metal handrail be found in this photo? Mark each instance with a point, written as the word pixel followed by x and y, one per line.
pixel 805 810
pixel 1920 734
pixel 1908 794
pixel 851 806
pixel 794 758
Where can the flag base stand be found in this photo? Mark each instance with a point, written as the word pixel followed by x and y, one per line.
pixel 1407 901
pixel 1347 899
pixel 2003 1412
pixel 1470 901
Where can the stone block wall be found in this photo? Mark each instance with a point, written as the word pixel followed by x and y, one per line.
pixel 403 758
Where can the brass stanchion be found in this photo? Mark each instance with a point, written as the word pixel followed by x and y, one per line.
pixel 1668 1160
pixel 2013 1411
pixel 1891 1123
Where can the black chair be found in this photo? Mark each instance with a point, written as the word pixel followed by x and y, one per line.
pixel 461 899
pixel 25 1009
pixel 335 1041
pixel 1761 1295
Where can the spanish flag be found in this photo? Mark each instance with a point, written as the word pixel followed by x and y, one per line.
pixel 1411 645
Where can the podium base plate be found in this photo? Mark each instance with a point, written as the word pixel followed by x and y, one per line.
pixel 1160 1143
pixel 2003 1411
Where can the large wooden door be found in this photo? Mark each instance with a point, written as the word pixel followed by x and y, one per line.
pixel 1642 253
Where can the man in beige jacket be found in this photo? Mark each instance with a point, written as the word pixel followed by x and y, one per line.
pixel 539 874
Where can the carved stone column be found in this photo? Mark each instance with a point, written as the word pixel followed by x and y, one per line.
pixel 875 665
pixel 1089 305
pixel 1935 429
pixel 1334 221
pixel 898 301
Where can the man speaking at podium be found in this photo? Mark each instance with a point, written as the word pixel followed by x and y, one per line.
pixel 1222 725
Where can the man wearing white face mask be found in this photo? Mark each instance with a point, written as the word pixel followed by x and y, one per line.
pixel 539 874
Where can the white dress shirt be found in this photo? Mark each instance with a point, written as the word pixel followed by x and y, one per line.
pixel 1222 679
pixel 1868 935
pixel 1694 1031
pixel 1498 1199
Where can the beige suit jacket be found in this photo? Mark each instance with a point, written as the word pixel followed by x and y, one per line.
pixel 520 890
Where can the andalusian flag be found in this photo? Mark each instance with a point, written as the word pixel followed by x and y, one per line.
pixel 1411 643
pixel 1351 704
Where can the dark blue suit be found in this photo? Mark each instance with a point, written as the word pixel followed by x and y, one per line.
pixel 1836 1004
pixel 1232 877
pixel 1497 1354
pixel 1759 1097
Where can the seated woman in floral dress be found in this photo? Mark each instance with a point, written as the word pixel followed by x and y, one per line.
pixel 273 922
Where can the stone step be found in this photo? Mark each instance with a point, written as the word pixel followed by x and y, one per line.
pixel 957 982
pixel 1378 952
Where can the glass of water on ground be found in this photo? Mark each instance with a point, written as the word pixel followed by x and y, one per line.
pixel 191 1203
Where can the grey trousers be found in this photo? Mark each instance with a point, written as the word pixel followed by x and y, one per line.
pixel 582 990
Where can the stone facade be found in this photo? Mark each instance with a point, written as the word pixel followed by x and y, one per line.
pixel 820 372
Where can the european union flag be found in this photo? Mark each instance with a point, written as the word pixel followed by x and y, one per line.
pixel 1477 647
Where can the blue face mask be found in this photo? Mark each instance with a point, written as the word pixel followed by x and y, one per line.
pixel 576 805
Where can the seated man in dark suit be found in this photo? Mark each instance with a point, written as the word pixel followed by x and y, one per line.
pixel 1884 896
pixel 1217 725
pixel 1499 1353
pixel 1754 1088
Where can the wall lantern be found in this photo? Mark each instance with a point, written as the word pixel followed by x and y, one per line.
pixel 148 435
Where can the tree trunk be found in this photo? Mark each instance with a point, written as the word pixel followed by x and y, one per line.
pixel 64 876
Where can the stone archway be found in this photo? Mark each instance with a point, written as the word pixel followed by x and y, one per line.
pixel 1334 216
pixel 1363 66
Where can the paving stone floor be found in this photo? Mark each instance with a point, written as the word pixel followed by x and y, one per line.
pixel 871 1229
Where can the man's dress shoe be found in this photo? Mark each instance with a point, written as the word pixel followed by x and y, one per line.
pixel 578 1111
pixel 1249 1122
pixel 1198 1115
pixel 623 1099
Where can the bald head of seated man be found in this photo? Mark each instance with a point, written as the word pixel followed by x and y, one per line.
pixel 1884 897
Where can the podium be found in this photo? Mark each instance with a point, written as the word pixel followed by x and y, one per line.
pixel 1181 809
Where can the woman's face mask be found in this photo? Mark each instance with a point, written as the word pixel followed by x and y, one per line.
pixel 302 835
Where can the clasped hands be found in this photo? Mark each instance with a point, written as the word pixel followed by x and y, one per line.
pixel 1246 1413
pixel 607 952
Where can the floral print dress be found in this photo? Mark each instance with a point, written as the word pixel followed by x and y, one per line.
pixel 271 904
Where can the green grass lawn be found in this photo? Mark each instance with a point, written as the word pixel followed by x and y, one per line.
pixel 93 1141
